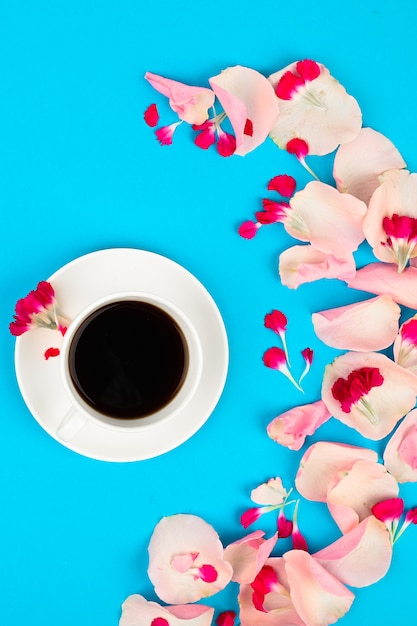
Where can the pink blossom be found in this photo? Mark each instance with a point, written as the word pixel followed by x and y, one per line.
pixel 248 555
pixel 136 610
pixel 38 309
pixel 362 326
pixel 357 390
pixel 359 163
pixel 186 560
pixel 306 264
pixel 400 455
pixel 314 107
pixel 292 427
pixel 190 103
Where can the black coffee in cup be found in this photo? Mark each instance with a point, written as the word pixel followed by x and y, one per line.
pixel 128 359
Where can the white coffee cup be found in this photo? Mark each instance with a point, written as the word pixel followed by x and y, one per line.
pixel 81 411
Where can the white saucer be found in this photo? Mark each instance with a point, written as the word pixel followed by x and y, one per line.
pixel 97 275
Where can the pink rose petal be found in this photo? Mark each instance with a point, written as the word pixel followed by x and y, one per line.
pixel 361 557
pixel 190 103
pixel 319 111
pixel 383 278
pixel 248 555
pixel 329 220
pixel 137 611
pixel 291 428
pixel 364 326
pixel 305 264
pixel 272 492
pixel 184 553
pixel 318 597
pixel 405 345
pixel 376 412
pixel 250 103
pixel 359 163
pixel 353 493
pixel 322 462
pixel 400 456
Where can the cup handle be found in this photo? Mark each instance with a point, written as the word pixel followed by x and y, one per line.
pixel 70 425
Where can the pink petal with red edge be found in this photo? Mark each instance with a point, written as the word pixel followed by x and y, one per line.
pixel 377 411
pixel 405 345
pixel 270 492
pixel 364 326
pixel 361 557
pixel 354 492
pixel 268 602
pixel 151 115
pixel 285 185
pixel 396 195
pixel 246 94
pixel 165 134
pixel 136 610
pixel 359 163
pixel 276 321
pixel 317 109
pixel 400 456
pixel 329 220
pixel 318 597
pixel 305 264
pixel 181 536
pixel 292 427
pixel 248 555
pixel 383 278
pixel 250 516
pixel 322 462
pixel 190 103
pixel 226 143
pixel 388 510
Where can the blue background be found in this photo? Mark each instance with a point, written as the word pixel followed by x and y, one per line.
pixel 80 171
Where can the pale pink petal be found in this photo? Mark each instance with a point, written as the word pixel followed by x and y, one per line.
pixel 190 103
pixel 271 492
pixel 277 609
pixel 250 103
pixel 174 540
pixel 136 611
pixel 319 111
pixel 322 462
pixel 359 163
pixel 305 264
pixel 331 221
pixel 405 345
pixel 291 428
pixel 364 326
pixel 354 492
pixel 383 278
pixel 376 413
pixel 396 194
pixel 400 456
pixel 318 597
pixel 361 557
pixel 248 555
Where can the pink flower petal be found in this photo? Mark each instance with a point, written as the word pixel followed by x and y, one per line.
pixel 151 115
pixel 271 492
pixel 405 345
pixel 316 109
pixel 353 494
pixel 364 326
pixel 376 412
pixel 248 555
pixel 318 597
pixel 305 264
pixel 136 610
pixel 329 220
pixel 181 536
pixel 396 195
pixel 359 163
pixel 246 95
pixel 322 462
pixel 190 103
pixel 291 428
pixel 389 510
pixel 248 229
pixel 400 456
pixel 285 185
pixel 361 557
pixel 383 278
